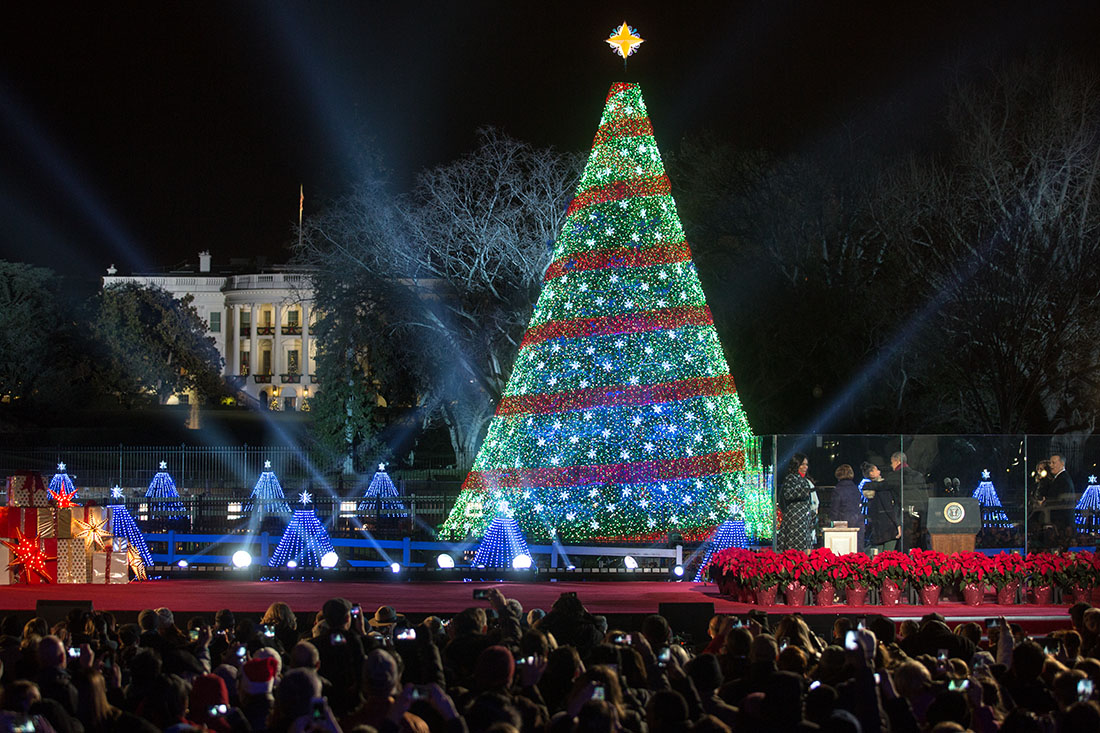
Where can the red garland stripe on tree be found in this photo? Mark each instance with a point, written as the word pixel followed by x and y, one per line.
pixel 661 254
pixel 612 131
pixel 619 190
pixel 656 320
pixel 622 473
pixel 619 396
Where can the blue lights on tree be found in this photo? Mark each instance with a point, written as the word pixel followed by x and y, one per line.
pixel 731 533
pixel 502 544
pixel 305 541
pixel 126 527
pixel 1087 514
pixel 381 498
pixel 163 487
pixel 267 495
pixel 61 482
pixel 992 513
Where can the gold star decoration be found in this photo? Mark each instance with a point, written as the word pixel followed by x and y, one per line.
pixel 133 559
pixel 94 533
pixel 27 556
pixel 624 40
pixel 64 499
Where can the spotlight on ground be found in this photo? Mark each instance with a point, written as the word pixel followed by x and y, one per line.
pixel 630 563
pixel 241 559
pixel 445 561
pixel 292 564
pixel 521 562
pixel 182 564
pixel 678 571
pixel 329 560
pixel 395 568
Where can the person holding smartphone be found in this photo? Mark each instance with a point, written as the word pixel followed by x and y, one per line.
pixel 53 678
pixel 340 650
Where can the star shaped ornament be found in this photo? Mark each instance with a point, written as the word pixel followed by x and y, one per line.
pixel 624 40
pixel 116 492
pixel 64 499
pixel 305 497
pixel 94 533
pixel 163 465
pixel 1092 479
pixel 61 468
pixel 133 559
pixel 267 464
pixel 985 473
pixel 27 556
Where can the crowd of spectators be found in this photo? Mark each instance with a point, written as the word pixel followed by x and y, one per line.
pixel 496 668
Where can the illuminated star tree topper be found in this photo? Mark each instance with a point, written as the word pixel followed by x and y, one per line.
pixel 624 41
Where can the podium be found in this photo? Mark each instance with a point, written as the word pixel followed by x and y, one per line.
pixel 841 538
pixel 953 524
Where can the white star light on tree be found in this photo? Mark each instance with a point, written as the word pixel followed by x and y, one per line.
pixel 61 468
pixel 305 497
pixel 116 492
pixel 267 464
pixel 985 474
pixel 163 465
pixel 1092 479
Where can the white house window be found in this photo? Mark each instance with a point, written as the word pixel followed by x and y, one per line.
pixel 215 321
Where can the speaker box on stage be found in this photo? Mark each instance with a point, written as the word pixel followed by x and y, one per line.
pixel 55 611
pixel 689 618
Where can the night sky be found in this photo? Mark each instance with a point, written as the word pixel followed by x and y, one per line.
pixel 140 133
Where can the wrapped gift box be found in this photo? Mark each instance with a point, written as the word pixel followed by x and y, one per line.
pixel 27 489
pixel 68 518
pixel 111 566
pixel 49 547
pixel 31 521
pixel 5 559
pixel 74 561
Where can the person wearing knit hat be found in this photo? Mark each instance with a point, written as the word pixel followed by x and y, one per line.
pixel 494 669
pixel 209 704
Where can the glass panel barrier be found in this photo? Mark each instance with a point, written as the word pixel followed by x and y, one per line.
pixel 1063 501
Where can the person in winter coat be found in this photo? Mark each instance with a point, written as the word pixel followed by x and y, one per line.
pixel 882 511
pixel 845 505
pixel 795 499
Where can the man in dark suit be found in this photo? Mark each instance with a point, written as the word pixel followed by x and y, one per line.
pixel 1061 487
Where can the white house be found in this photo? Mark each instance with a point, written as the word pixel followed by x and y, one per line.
pixel 261 319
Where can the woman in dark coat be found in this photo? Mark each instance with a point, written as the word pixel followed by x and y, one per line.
pixel 796 530
pixel 845 505
pixel 883 511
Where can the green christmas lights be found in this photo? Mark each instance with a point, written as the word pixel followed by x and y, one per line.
pixel 621 420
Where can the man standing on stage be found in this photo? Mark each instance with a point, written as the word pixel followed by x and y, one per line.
pixel 911 489
pixel 1061 487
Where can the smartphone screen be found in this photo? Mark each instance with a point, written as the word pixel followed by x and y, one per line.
pixel 598 693
pixel 74 652
pixel 406 634
pixel 942 655
pixel 663 656
pixel 194 634
pixel 851 641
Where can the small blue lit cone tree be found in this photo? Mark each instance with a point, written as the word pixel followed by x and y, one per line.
pixel 731 533
pixel 381 497
pixel 62 483
pixel 163 487
pixel 993 515
pixel 1087 515
pixel 267 495
pixel 306 543
pixel 126 528
pixel 503 543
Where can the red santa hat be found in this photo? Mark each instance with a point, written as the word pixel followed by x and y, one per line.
pixel 259 676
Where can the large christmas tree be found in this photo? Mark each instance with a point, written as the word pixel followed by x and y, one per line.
pixel 620 420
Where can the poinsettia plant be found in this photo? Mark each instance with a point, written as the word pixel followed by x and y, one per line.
pixel 934 568
pixel 973 567
pixel 851 570
pixel 891 565
pixel 818 565
pixel 1082 568
pixel 1044 568
pixel 790 566
pixel 1005 568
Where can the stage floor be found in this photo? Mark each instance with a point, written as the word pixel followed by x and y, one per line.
pixel 187 597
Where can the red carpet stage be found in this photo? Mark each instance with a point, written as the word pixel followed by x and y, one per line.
pixel 446 598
